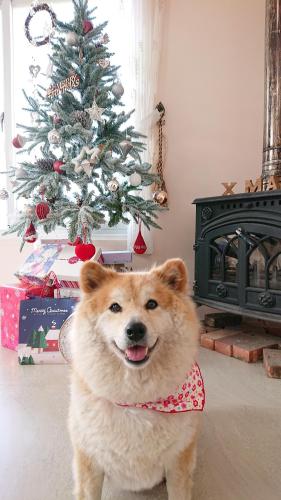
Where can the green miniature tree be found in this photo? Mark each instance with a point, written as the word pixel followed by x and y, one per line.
pixel 37 339
pixel 89 169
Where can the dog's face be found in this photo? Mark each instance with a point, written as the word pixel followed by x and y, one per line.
pixel 139 321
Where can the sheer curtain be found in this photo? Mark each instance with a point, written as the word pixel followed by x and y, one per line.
pixel 146 25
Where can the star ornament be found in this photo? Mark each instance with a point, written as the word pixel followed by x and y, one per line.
pixel 95 112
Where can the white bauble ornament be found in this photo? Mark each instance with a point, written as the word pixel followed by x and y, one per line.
pixel 71 38
pixel 20 173
pixel 54 136
pixel 117 90
pixel 113 185
pixel 29 211
pixel 4 195
pixel 135 179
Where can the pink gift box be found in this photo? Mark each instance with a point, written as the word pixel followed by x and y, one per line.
pixel 10 298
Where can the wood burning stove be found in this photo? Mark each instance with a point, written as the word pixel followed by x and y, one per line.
pixel 238 253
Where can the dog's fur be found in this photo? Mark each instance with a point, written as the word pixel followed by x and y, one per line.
pixel 136 448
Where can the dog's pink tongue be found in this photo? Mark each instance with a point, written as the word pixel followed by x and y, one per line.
pixel 136 353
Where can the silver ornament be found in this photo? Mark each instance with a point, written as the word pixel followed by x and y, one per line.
pixel 126 147
pixel 113 185
pixel 29 211
pixel 20 173
pixel 71 38
pixel 117 90
pixel 4 195
pixel 54 136
pixel 135 179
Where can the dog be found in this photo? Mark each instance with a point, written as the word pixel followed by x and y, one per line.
pixel 134 340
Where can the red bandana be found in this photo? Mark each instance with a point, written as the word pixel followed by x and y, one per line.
pixel 190 396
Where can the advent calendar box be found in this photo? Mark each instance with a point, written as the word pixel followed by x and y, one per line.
pixel 42 330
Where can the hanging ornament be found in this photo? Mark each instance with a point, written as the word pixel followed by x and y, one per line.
pixel 57 167
pixel 20 173
pixel 4 195
pixel 30 235
pixel 135 179
pixel 71 38
pixel 161 197
pixel 29 211
pixel 85 251
pixel 87 164
pixel 104 63
pixel 34 70
pixel 45 38
pixel 113 185
pixel 95 112
pixel 45 164
pixel 42 210
pixel 140 245
pixel 54 136
pixel 126 146
pixel 105 38
pixel 57 120
pixel 87 26
pixel 19 141
pixel 117 89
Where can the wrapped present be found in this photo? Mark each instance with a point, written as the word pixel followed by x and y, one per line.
pixel 55 264
pixel 10 298
pixel 42 330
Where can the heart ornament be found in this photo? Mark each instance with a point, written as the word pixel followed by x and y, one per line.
pixel 34 70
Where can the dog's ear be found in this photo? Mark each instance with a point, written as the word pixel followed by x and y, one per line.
pixel 93 275
pixel 174 274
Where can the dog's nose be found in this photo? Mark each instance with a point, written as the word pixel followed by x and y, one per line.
pixel 136 331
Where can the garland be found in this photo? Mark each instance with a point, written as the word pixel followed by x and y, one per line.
pixel 34 10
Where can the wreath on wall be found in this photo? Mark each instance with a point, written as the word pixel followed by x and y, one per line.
pixel 43 7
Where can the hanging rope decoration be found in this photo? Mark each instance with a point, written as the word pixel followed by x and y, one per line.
pixel 160 195
pixel 39 8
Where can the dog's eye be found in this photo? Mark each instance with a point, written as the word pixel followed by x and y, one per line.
pixel 115 308
pixel 151 304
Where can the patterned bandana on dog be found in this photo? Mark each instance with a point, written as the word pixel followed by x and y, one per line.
pixel 190 396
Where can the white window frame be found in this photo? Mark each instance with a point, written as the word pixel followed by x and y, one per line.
pixel 118 238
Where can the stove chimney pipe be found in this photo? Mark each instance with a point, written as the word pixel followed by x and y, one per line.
pixel 272 102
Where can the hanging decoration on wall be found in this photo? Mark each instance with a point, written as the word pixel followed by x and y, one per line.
pixel 160 195
pixel 45 38
pixel 71 82
pixel 140 245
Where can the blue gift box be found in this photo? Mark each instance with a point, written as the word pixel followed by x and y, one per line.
pixel 42 335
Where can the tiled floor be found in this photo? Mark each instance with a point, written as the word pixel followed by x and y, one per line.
pixel 239 452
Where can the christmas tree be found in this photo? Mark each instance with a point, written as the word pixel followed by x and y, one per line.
pixel 37 339
pixel 84 165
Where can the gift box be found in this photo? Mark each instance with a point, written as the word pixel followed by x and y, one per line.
pixel 10 298
pixel 57 260
pixel 42 331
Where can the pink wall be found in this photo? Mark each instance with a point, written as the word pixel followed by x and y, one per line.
pixel 211 82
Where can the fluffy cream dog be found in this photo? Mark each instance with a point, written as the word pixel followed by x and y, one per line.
pixel 133 340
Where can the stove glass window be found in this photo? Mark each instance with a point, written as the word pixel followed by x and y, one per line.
pixel 264 262
pixel 224 258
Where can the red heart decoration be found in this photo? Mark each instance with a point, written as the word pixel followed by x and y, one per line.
pixel 85 251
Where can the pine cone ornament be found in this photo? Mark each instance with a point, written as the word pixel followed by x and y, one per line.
pixel 81 117
pixel 45 164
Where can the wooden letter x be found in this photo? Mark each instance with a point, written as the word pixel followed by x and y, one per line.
pixel 228 187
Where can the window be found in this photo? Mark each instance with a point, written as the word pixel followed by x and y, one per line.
pixel 22 61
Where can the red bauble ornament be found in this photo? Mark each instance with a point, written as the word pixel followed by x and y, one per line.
pixel 85 251
pixel 140 245
pixel 42 209
pixel 18 141
pixel 87 26
pixel 77 241
pixel 30 235
pixel 57 166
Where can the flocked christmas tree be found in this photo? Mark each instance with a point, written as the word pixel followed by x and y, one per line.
pixel 86 168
